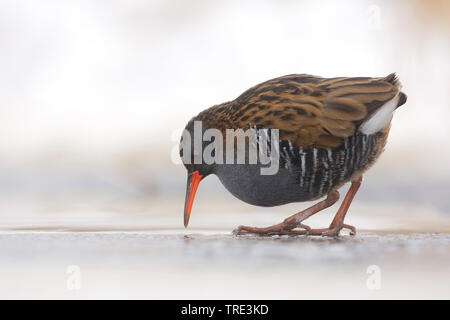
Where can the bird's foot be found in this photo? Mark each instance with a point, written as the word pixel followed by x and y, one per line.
pixel 279 229
pixel 293 231
pixel 332 231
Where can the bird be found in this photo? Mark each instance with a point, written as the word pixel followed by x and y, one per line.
pixel 331 131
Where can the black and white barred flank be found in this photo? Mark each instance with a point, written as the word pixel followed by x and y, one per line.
pixel 320 170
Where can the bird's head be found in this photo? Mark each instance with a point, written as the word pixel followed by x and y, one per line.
pixel 197 168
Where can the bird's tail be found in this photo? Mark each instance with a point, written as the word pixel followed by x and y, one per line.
pixel 394 80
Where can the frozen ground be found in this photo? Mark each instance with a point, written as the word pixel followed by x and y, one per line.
pixel 158 266
pixel 137 254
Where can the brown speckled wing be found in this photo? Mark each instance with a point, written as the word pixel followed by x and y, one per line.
pixel 308 110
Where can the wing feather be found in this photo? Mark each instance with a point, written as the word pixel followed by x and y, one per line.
pixel 312 111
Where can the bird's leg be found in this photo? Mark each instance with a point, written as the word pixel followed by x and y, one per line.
pixel 294 221
pixel 338 222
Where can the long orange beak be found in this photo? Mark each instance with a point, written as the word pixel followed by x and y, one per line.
pixel 193 181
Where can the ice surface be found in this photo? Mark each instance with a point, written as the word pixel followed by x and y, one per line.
pixel 140 250
pixel 202 265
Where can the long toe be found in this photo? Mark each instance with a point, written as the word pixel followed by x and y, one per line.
pixel 351 228
pixel 273 230
pixel 238 230
pixel 333 231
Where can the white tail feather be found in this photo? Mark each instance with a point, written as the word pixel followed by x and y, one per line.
pixel 380 118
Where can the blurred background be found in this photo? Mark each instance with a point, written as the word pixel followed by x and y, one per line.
pixel 94 95
pixel 93 98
